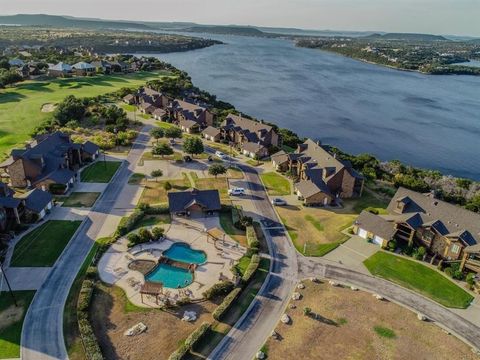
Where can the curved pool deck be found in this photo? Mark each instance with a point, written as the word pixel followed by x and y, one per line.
pixel 113 266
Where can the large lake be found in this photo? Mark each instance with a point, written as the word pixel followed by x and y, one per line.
pixel 427 121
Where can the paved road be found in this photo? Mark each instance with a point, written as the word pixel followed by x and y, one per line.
pixel 42 333
pixel 318 267
pixel 251 331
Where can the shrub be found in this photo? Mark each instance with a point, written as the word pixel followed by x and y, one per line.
pixel 252 267
pixel 167 186
pixel 252 239
pixel 92 349
pixel 251 251
pixel 372 210
pixel 221 288
pixel 197 335
pixel 157 210
pixel 133 239
pixel 470 279
pixel 57 189
pixel 91 273
pixel 419 253
pixel 449 271
pixel 307 311
pixel 392 245
pixel 157 232
pixel 145 235
pixel 225 305
pixel 129 222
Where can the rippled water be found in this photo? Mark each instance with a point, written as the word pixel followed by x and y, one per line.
pixel 427 121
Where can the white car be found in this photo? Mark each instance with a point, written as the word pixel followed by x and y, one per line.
pixel 221 155
pixel 236 191
pixel 279 202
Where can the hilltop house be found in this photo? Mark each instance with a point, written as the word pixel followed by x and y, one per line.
pixel 27 207
pixel 102 66
pixel 180 110
pixel 194 202
pixel 321 177
pixel 211 133
pixel 83 69
pixel 59 70
pixel 447 231
pixel 50 159
pixel 253 138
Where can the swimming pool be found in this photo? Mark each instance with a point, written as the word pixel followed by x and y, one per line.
pixel 170 276
pixel 184 253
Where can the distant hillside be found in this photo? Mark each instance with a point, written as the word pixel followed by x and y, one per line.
pixel 407 37
pixel 63 21
pixel 226 30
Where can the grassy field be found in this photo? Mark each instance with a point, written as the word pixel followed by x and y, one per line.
pixel 276 184
pixel 418 277
pixel 20 106
pixel 155 193
pixel 354 325
pixel 100 171
pixel 43 246
pixel 81 199
pixel 227 225
pixel 315 231
pixel 11 321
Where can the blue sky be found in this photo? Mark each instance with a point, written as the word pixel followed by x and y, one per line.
pixel 427 16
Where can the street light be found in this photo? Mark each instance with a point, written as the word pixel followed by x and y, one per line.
pixel 8 285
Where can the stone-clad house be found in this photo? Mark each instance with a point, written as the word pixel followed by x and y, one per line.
pixel 181 111
pixel 447 231
pixel 50 159
pixel 321 177
pixel 253 138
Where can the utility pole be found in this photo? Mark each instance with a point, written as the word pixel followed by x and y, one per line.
pixel 8 285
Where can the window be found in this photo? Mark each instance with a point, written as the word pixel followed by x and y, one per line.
pixel 455 249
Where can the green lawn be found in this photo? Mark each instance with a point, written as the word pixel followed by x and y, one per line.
pixel 81 199
pixel 43 246
pixel 227 225
pixel 136 178
pixel 20 106
pixel 276 184
pixel 418 277
pixel 11 321
pixel 100 171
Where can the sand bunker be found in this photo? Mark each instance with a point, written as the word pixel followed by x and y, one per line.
pixel 48 108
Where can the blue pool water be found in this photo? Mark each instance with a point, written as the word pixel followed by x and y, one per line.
pixel 170 276
pixel 184 253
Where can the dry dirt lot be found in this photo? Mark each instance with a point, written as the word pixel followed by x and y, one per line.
pixel 111 316
pixel 355 325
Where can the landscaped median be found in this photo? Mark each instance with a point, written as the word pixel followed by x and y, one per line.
pixel 418 277
pixel 100 171
pixel 42 246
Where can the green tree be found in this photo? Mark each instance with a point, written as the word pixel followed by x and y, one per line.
pixel 217 169
pixel 157 232
pixel 156 173
pixel 157 133
pixel 173 132
pixel 145 235
pixel 193 145
pixel 474 203
pixel 167 186
pixel 70 108
pixel 162 149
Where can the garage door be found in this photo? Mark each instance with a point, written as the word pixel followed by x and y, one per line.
pixel 378 240
pixel 362 233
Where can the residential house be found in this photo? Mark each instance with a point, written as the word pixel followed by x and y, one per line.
pixel 59 70
pixel 27 207
pixel 181 110
pixel 83 68
pixel 16 62
pixel 129 99
pixel 189 126
pixel 159 114
pixel 194 202
pixel 240 131
pixel 119 66
pixel 102 66
pixel 211 133
pixel 50 159
pixel 153 97
pixel 147 108
pixel 447 231
pixel 321 177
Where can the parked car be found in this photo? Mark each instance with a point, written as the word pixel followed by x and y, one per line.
pixel 221 155
pixel 172 141
pixel 187 158
pixel 236 191
pixel 210 158
pixel 278 202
